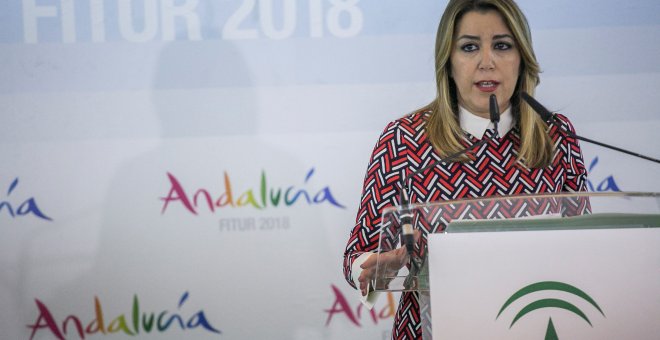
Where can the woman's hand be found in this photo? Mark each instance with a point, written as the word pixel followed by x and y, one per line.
pixel 392 260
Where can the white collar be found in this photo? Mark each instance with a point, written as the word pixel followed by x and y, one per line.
pixel 477 126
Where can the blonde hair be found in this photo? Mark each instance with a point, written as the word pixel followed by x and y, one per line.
pixel 443 128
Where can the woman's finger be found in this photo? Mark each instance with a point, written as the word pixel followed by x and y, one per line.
pixel 370 262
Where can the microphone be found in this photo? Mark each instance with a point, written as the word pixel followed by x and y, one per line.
pixel 551 118
pixel 546 115
pixel 406 214
pixel 494 112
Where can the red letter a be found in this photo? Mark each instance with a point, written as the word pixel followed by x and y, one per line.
pixel 176 194
pixel 45 320
pixel 340 306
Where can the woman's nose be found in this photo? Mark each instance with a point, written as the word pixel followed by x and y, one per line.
pixel 486 62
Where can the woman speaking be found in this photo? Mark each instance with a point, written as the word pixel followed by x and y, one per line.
pixel 483 47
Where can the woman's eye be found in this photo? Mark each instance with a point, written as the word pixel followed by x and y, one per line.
pixel 469 47
pixel 503 46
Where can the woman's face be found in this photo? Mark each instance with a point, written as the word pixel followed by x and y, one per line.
pixel 484 61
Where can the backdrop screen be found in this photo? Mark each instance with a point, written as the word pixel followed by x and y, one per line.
pixel 192 168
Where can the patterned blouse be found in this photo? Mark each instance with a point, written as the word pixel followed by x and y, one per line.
pixel 403 148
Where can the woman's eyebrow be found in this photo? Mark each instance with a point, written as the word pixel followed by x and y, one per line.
pixel 476 37
pixel 500 36
pixel 470 37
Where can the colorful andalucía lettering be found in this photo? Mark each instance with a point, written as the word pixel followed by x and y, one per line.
pixel 340 306
pixel 265 196
pixel 135 323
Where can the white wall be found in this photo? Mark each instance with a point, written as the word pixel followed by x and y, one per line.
pixel 101 100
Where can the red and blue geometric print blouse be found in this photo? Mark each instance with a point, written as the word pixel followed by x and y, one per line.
pixel 403 147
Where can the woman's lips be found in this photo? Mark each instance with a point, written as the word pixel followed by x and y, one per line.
pixel 487 85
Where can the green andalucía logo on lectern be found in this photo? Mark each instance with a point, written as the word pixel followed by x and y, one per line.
pixel 550 333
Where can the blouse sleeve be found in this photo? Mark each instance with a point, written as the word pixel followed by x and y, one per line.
pixel 380 190
pixel 576 172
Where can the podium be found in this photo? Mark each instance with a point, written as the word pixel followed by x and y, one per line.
pixel 546 266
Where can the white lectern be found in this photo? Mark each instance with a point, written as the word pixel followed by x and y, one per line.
pixel 560 266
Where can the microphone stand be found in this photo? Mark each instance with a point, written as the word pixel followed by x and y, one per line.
pixel 408 237
pixel 551 118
